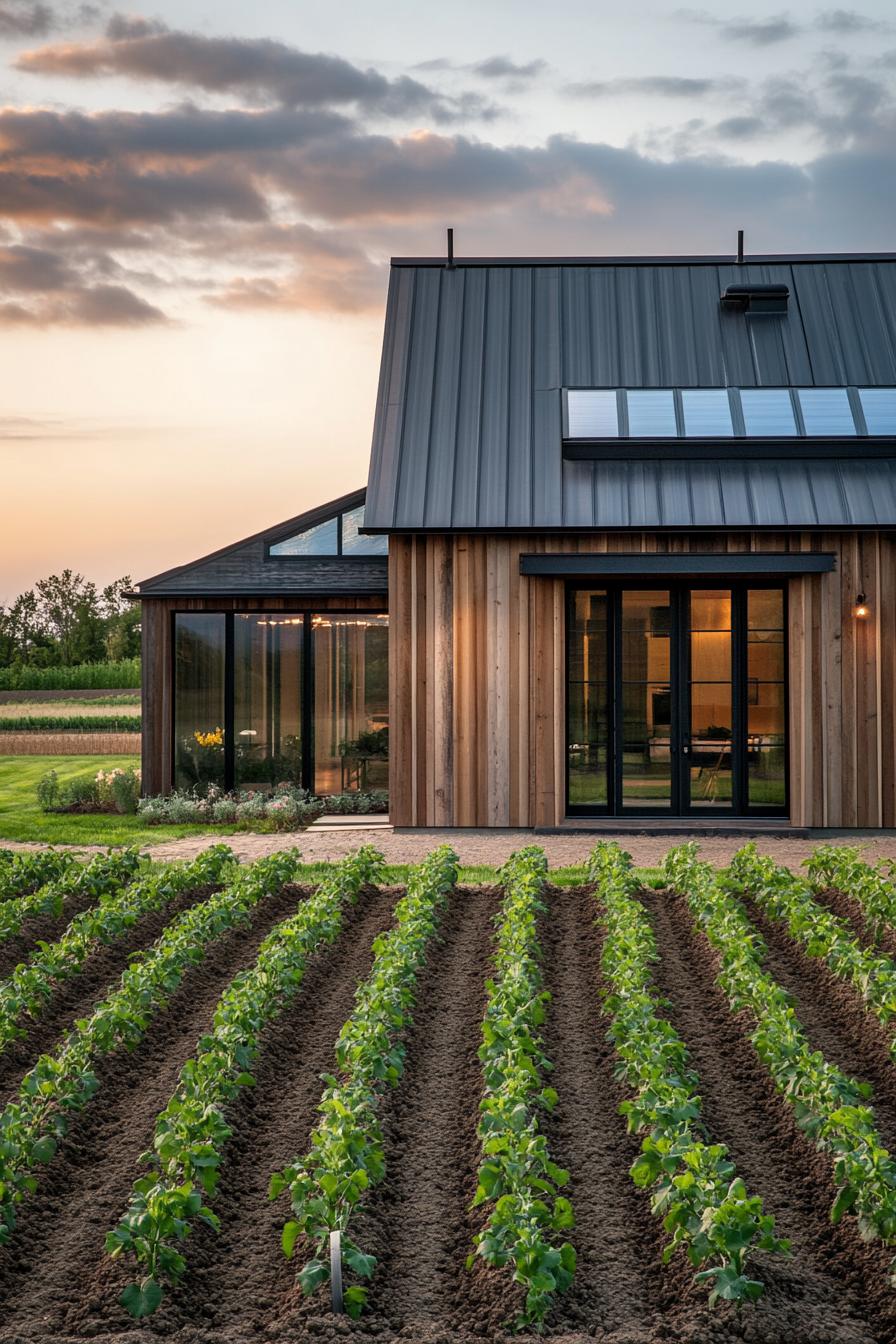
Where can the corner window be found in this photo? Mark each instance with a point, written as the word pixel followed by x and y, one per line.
pixel 199 709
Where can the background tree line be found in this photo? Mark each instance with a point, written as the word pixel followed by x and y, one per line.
pixel 65 620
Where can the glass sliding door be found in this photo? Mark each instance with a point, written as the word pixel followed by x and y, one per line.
pixel 676 701
pixel 708 755
pixel 644 680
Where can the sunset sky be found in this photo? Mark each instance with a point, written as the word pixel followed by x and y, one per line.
pixel 198 202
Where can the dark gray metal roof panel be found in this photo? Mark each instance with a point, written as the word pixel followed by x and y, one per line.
pixel 468 425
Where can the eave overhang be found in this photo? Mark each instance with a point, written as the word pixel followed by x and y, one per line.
pixel 764 563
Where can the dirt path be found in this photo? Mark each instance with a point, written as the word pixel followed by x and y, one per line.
pixel 833 1289
pixel 77 997
pixel 52 1272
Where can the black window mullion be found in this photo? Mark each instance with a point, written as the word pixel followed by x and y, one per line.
pixel 739 752
pixel 614 611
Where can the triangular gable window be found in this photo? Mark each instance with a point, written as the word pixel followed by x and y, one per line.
pixel 338 535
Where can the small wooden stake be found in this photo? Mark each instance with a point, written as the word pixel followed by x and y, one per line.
pixel 336 1272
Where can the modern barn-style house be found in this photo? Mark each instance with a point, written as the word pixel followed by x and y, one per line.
pixel 627 551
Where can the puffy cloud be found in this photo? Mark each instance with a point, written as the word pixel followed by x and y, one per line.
pixel 260 69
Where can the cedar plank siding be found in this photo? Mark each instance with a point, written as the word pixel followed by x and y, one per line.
pixel 477 672
pixel 157 643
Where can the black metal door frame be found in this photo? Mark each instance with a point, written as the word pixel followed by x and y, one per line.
pixel 680 804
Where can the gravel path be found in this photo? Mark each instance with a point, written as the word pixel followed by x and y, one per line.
pixel 491 847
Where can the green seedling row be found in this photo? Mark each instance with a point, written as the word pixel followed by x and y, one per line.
pixel 98 879
pixel 832 1109
pixel 32 1125
pixel 23 873
pixel 704 1204
pixel 32 984
pixel 842 868
pixel 192 1130
pixel 822 933
pixel 528 1217
pixel 346 1152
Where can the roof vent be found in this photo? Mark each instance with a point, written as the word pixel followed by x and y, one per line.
pixel 756 300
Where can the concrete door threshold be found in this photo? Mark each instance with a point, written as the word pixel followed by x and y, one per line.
pixel 675 826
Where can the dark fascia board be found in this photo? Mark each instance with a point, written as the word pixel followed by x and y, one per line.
pixel 268 534
pixel 755 562
pixel 304 595
pixel 764 259
pixel 684 449
pixel 660 529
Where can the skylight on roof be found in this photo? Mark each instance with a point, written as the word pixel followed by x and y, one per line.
pixel 725 413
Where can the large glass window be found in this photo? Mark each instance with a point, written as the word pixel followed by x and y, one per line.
pixel 323 539
pixel 354 543
pixel 267 699
pixel 710 761
pixel 588 700
pixel 646 700
pixel 766 698
pixel 351 703
pixel 199 711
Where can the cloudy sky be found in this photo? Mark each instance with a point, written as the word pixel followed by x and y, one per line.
pixel 198 202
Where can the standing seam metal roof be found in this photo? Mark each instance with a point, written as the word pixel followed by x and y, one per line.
pixel 468 429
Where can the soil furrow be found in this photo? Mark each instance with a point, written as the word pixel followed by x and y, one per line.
pixel 619 1284
pixel 78 996
pixel 239 1281
pixel 420 1219
pixel 849 909
pixel 47 927
pixel 833 1289
pixel 835 1017
pixel 48 1271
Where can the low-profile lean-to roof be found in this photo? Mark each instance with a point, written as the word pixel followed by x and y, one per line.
pixel 247 569
pixel 469 423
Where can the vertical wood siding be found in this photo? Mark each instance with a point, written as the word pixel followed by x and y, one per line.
pixel 478 683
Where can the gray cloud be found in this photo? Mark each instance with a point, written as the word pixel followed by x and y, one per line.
pixel 660 86
pixel 512 74
pixel 775 28
pixel 847 21
pixel 258 68
pixel 35 18
pixel 41 287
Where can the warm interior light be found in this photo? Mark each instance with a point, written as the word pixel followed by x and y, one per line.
pixel 861 607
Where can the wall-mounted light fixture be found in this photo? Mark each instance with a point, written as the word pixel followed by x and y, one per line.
pixel 860 610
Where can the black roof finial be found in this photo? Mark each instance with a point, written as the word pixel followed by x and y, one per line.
pixel 450 249
pixel 740 247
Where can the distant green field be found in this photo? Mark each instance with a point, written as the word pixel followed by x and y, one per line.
pixel 83 677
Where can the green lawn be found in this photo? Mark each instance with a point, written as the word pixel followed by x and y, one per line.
pixel 22 819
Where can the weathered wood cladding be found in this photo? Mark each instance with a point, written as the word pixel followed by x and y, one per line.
pixel 158 663
pixel 477 673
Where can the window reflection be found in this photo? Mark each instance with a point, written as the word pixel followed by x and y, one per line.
pixel 199 643
pixel 588 743
pixel 267 699
pixel 351 703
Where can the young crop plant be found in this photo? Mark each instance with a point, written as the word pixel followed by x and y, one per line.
pixel 830 1107
pixel 33 983
pixel 98 879
pixel 32 1124
pixel 190 1133
pixel 822 933
pixel 527 1216
pixel 704 1204
pixel 842 868
pixel 24 873
pixel 346 1152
